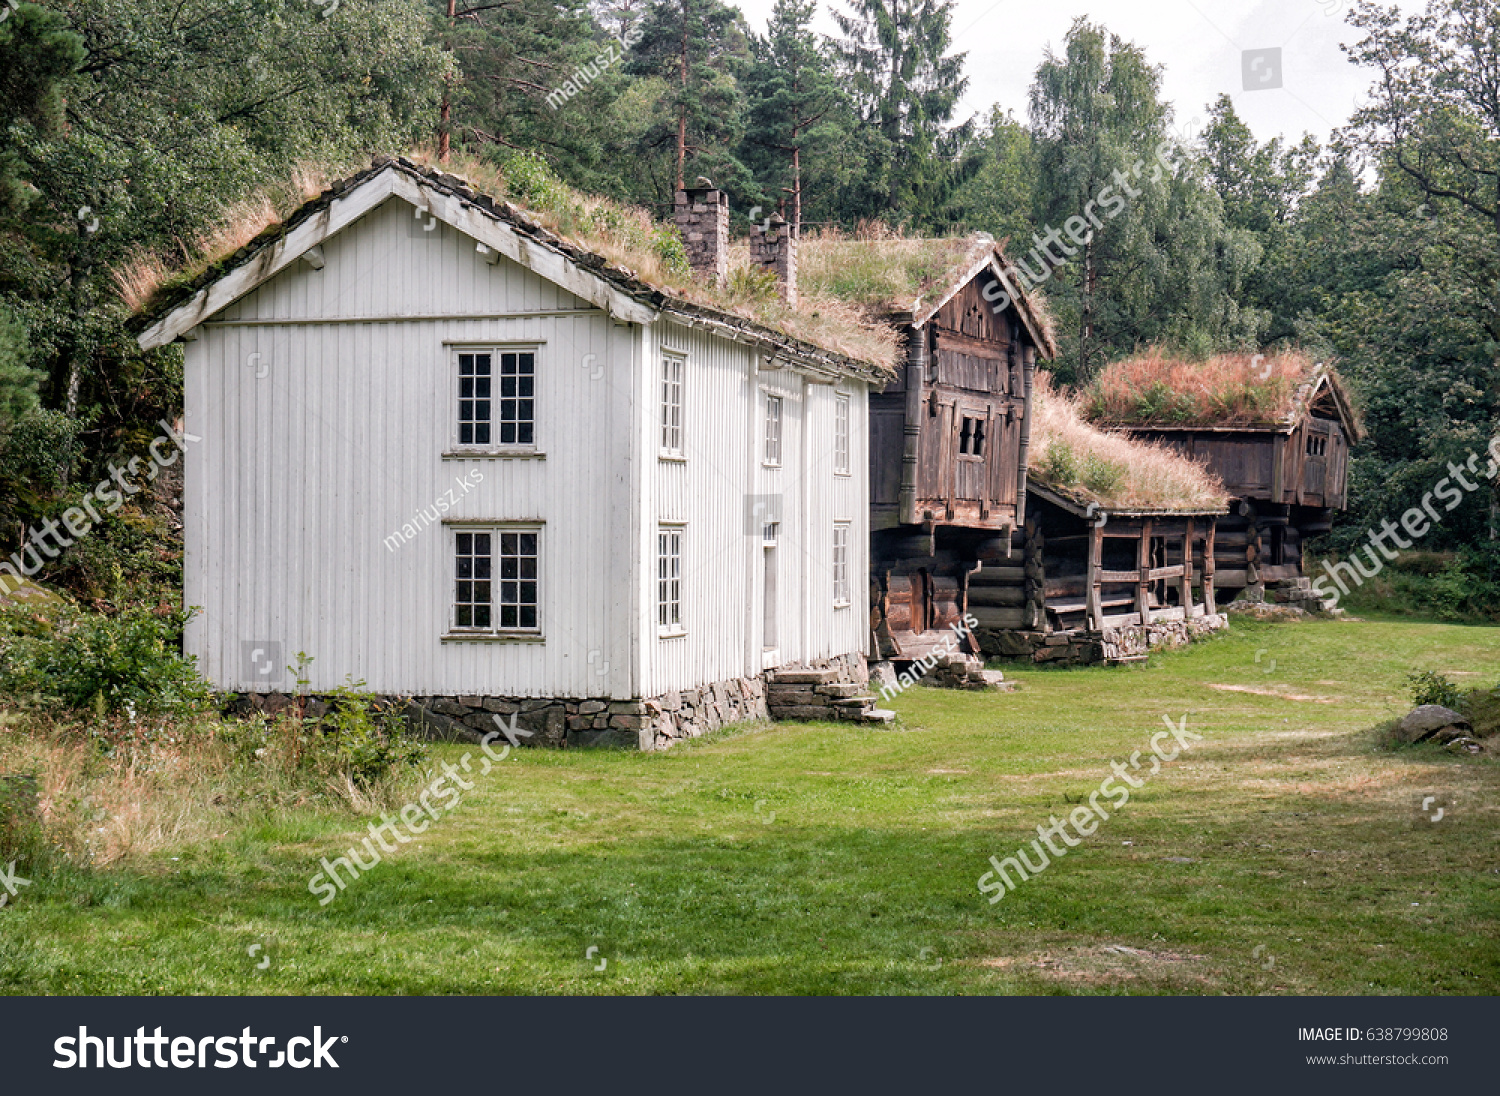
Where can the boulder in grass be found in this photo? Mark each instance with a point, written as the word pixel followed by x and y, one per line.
pixel 1430 721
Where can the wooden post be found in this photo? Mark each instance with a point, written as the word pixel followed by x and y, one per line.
pixel 1094 608
pixel 1187 571
pixel 1035 580
pixel 1143 582
pixel 1208 568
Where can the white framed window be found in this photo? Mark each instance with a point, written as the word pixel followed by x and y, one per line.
pixel 496 579
pixel 773 430
pixel 841 434
pixel 669 580
pixel 671 404
pixel 840 563
pixel 496 397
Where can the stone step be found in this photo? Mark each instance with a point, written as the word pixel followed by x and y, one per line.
pixel 842 689
pixel 854 702
pixel 879 715
pixel 995 679
pixel 804 677
pixel 801 711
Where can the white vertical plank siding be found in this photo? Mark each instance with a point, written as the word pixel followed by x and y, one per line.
pixel 301 475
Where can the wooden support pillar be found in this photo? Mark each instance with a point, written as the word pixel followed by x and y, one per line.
pixel 1035 580
pixel 1143 583
pixel 1186 585
pixel 1208 568
pixel 1094 607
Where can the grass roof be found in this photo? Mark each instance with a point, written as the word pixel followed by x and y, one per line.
pixel 1156 388
pixel 882 271
pixel 634 244
pixel 1084 463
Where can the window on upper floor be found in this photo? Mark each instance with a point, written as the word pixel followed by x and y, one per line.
pixel 841 434
pixel 671 405
pixel 496 398
pixel 773 430
pixel 971 437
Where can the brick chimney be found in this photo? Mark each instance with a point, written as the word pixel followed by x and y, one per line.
pixel 774 248
pixel 702 216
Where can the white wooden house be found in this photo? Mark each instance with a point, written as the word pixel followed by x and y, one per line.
pixel 451 455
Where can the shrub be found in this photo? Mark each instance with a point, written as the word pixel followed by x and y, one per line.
pixel 1102 475
pixel 68 658
pixel 1061 464
pixel 366 739
pixel 1432 688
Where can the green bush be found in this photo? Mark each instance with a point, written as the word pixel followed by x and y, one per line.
pixel 69 658
pixel 1060 464
pixel 365 738
pixel 1102 476
pixel 1431 688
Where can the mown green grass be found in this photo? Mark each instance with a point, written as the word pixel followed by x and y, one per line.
pixel 831 859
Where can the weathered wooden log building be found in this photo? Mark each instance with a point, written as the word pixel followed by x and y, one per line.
pixel 1284 458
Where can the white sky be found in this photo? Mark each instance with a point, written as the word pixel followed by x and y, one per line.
pixel 1199 43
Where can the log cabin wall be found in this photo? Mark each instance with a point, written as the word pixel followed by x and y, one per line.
pixel 946 444
pixel 1285 484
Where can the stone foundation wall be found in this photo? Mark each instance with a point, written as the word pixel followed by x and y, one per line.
pixel 1082 648
pixel 653 724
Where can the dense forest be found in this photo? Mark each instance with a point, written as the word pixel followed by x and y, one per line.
pixel 133 127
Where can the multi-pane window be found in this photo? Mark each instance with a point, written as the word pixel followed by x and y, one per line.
pixel 669 579
pixel 773 430
pixel 488 417
pixel 471 599
pixel 841 563
pixel 495 580
pixel 518 398
pixel 841 435
pixel 474 405
pixel 671 404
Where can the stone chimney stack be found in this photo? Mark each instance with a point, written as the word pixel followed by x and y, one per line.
pixel 774 248
pixel 702 216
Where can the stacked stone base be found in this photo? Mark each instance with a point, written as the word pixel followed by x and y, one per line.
pixel 689 713
pixel 964 671
pixel 655 723
pixel 1299 594
pixel 834 689
pixel 1129 643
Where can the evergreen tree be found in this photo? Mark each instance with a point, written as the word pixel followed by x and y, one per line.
pixel 796 108
pixel 696 50
pixel 906 86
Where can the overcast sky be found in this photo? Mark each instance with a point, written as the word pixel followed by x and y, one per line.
pixel 1200 44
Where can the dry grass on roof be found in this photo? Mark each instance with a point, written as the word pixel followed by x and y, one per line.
pixel 628 237
pixel 1157 388
pixel 1078 459
pixel 879 269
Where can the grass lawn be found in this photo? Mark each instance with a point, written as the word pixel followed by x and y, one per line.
pixel 1285 853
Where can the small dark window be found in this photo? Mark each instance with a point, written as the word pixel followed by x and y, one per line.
pixel 971 437
pixel 1317 445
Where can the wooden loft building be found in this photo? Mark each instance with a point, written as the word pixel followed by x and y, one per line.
pixel 948 436
pixel 1281 450
pixel 1118 550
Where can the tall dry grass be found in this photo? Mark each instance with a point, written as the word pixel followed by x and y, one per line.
pixel 142 274
pixel 1111 468
pixel 110 790
pixel 1157 387
pixel 627 236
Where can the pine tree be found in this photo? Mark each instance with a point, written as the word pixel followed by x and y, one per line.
pixel 698 48
pixel 796 107
pixel 906 86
